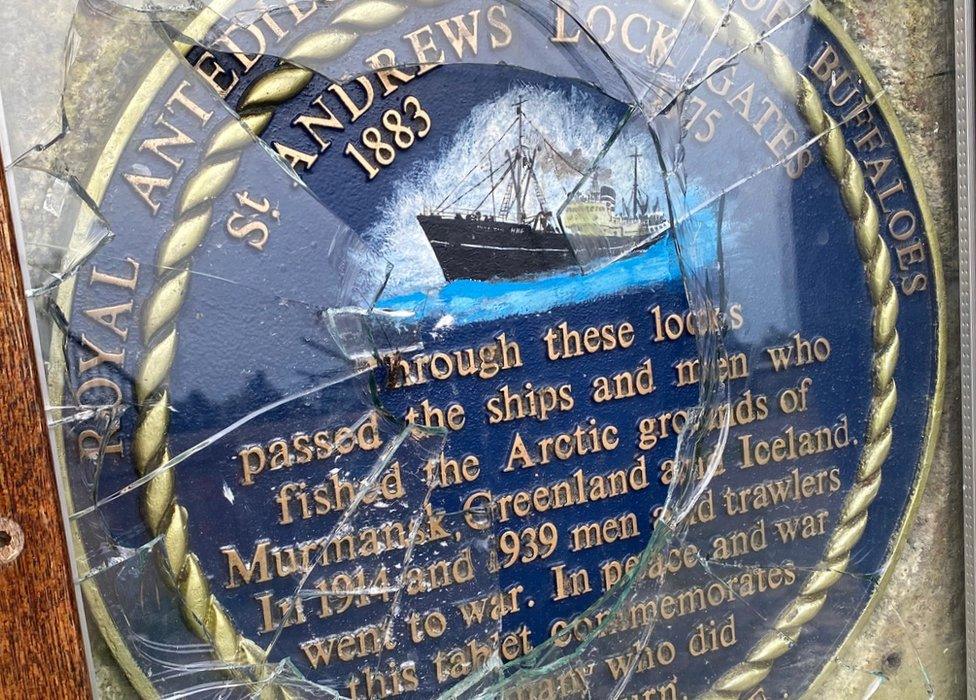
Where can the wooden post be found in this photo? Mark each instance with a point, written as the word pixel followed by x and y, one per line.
pixel 42 651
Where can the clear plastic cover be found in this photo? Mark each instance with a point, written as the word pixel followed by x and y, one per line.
pixel 465 348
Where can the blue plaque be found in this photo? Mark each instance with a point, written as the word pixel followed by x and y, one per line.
pixel 499 349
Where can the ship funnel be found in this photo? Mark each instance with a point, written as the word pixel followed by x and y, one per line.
pixel 608 195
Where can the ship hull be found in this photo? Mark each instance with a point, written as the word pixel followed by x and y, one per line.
pixel 483 249
pixel 469 249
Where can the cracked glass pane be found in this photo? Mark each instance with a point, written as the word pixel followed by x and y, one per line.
pixel 476 348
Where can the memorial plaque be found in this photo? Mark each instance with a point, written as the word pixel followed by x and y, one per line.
pixel 495 349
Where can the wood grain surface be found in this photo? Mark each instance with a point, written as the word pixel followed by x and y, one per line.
pixel 41 649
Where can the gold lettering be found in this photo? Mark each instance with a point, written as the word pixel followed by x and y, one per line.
pixel 422 42
pixel 296 157
pixel 215 71
pixel 625 33
pixel 355 111
pixel 144 185
pixel 465 34
pixel 298 14
pixel 108 317
pixel 156 145
pixel 310 123
pixel 180 96
pixel 91 445
pixel 561 37
pixel 383 63
pixel 115 358
pixel 239 572
pixel 102 278
pixel 99 383
pixel 496 18
pixel 260 48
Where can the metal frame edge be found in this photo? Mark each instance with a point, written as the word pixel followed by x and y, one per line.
pixel 963 30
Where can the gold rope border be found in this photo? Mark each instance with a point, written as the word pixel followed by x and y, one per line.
pixel 166 518
pixel 785 630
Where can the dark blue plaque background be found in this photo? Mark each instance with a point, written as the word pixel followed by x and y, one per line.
pixel 243 347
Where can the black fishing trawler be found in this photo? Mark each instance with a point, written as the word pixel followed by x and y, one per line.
pixel 509 240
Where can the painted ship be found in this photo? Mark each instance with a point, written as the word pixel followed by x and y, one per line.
pixel 520 236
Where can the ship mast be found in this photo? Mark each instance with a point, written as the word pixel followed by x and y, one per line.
pixel 636 156
pixel 517 175
pixel 519 160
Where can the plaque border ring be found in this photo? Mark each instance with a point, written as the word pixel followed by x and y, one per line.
pixel 168 520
